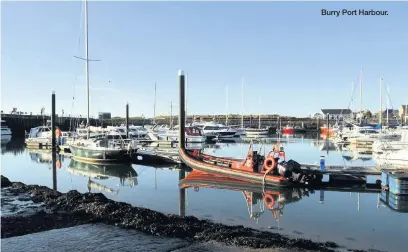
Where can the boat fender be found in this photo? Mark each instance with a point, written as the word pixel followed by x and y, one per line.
pixel 269 201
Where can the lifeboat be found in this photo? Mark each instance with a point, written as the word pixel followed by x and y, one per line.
pixel 253 169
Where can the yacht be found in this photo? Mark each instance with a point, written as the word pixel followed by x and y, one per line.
pixel 383 145
pixel 397 158
pixel 5 130
pixel 193 134
pixel 369 134
pixel 40 134
pixel 137 132
pixel 215 130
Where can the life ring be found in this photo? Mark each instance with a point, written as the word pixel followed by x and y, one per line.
pixel 269 201
pixel 269 163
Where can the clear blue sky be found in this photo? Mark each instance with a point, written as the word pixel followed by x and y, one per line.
pixel 296 60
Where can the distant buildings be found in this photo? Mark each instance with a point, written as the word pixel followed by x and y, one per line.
pixel 338 114
pixel 403 112
pixel 104 116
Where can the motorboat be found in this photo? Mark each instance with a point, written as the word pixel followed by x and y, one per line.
pixel 193 134
pixel 5 130
pixel 381 145
pixel 216 130
pixel 253 169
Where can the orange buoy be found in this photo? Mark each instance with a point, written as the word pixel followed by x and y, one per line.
pixel 269 201
pixel 58 164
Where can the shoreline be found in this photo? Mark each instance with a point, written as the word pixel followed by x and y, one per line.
pixel 53 210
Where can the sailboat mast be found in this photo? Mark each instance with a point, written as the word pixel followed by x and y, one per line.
pixel 87 62
pixel 171 114
pixel 154 105
pixel 352 96
pixel 381 114
pixel 242 103
pixel 388 103
pixel 226 114
pixel 361 96
pixel 259 119
pixel 185 106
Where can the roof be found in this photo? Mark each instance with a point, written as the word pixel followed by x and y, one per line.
pixel 336 111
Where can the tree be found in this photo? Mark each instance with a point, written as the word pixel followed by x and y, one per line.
pixel 367 114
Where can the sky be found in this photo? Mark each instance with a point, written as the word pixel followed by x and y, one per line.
pixel 293 60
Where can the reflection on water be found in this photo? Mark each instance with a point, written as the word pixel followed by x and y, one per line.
pixel 356 220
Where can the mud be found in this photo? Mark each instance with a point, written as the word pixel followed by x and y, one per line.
pixel 60 210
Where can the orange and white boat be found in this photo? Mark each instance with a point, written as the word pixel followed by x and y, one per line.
pixel 253 169
pixel 328 130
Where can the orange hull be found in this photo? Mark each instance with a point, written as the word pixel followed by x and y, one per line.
pixel 229 168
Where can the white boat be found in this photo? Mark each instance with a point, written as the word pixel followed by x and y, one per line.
pixel 5 130
pixel 39 135
pixel 369 134
pixel 398 158
pixel 193 135
pixel 216 130
pixel 138 132
pixel 256 132
pixel 381 145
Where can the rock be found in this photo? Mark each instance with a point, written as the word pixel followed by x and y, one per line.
pixel 5 182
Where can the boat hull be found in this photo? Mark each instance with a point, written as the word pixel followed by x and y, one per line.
pixel 87 154
pixel 250 177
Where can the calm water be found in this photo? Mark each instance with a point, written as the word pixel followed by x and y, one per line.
pixel 350 219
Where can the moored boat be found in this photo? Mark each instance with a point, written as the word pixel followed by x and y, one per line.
pixel 253 169
pixel 288 130
pixel 5 130
pixel 99 150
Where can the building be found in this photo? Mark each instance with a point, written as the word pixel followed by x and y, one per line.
pixel 104 116
pixel 337 114
pixel 403 113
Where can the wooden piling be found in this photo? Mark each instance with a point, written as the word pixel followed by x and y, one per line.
pixel 53 143
pixel 182 111
pixel 182 195
pixel 127 120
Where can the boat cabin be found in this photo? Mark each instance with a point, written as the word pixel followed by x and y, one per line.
pixel 193 131
pixel 40 131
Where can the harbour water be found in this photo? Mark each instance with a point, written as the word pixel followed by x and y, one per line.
pixel 354 220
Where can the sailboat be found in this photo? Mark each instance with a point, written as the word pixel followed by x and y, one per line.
pixel 257 132
pixel 97 150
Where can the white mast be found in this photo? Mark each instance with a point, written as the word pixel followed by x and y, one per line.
pixel 388 102
pixel 242 103
pixel 361 96
pixel 171 114
pixel 226 114
pixel 87 62
pixel 380 114
pixel 154 105
pixel 259 119
pixel 185 106
pixel 352 95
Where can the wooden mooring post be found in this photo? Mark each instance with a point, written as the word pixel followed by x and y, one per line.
pixel 53 143
pixel 182 110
